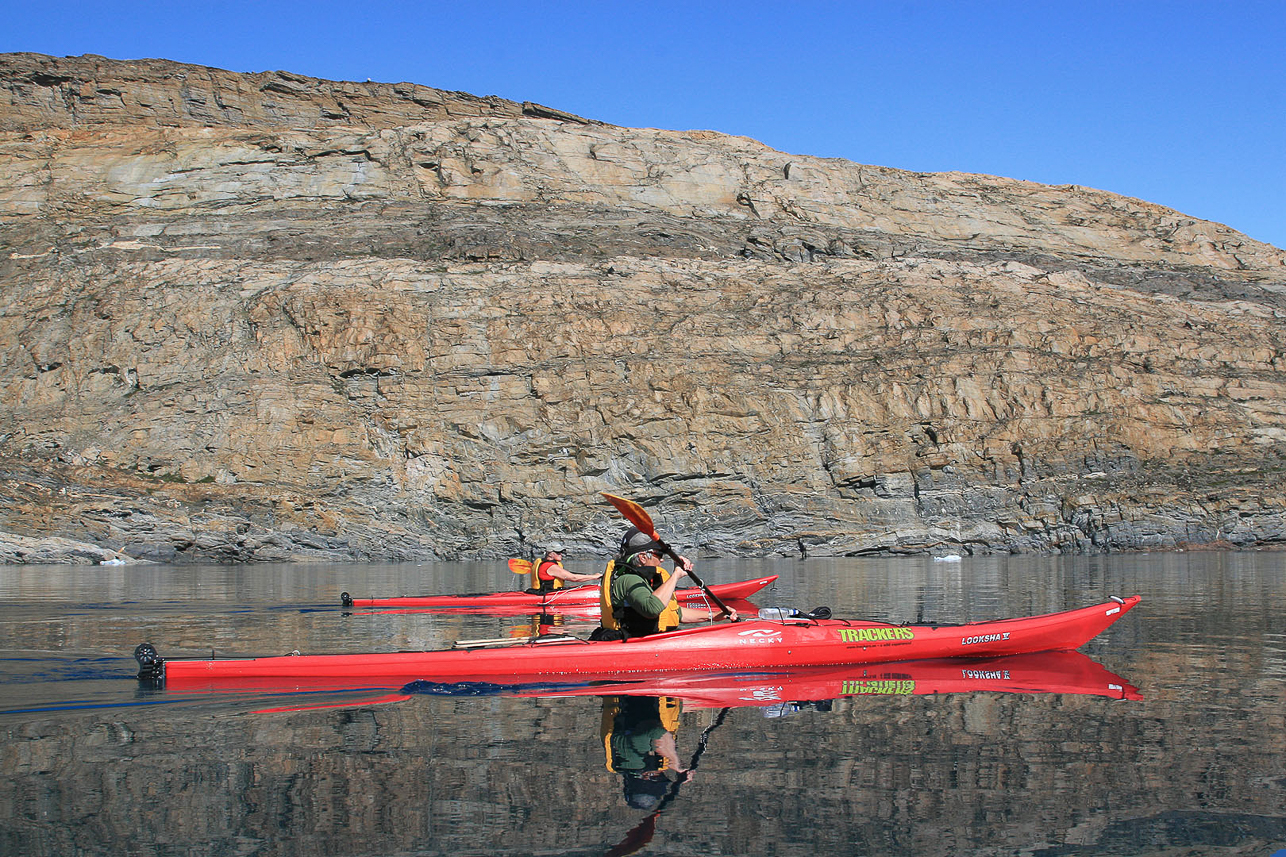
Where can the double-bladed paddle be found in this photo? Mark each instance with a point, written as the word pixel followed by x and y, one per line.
pixel 639 517
pixel 520 566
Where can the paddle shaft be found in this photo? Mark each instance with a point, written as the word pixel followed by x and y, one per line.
pixel 692 574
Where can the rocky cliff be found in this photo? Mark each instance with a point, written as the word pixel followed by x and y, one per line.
pixel 260 316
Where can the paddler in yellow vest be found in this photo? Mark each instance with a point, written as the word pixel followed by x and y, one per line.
pixel 637 593
pixel 549 574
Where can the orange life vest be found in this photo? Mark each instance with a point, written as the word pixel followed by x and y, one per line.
pixel 541 580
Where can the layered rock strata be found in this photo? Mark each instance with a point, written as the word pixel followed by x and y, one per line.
pixel 250 317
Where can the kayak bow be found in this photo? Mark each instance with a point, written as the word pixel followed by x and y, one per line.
pixel 755 644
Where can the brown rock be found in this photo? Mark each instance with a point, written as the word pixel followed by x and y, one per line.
pixel 264 316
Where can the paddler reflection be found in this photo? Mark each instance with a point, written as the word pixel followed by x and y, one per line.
pixel 640 743
pixel 538 625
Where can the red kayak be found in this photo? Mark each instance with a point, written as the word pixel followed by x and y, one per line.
pixel 572 613
pixel 571 596
pixel 754 644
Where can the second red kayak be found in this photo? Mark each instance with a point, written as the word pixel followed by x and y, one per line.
pixel 571 596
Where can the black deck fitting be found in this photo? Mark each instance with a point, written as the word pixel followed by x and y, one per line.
pixel 151 666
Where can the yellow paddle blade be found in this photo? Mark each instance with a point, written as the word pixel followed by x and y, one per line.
pixel 520 566
pixel 634 513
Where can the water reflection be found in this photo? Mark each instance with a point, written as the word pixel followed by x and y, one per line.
pixel 785 690
pixel 641 719
pixel 640 740
pixel 638 735
pixel 1197 765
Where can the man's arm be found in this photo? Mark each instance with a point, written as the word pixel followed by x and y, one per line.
pixel 639 594
pixel 666 590
pixel 699 614
pixel 570 576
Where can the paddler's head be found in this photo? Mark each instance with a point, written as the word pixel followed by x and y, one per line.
pixel 638 548
pixel 554 551
pixel 644 790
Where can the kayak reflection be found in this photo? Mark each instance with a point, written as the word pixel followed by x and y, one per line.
pixel 640 732
pixel 776 692
pixel 1045 672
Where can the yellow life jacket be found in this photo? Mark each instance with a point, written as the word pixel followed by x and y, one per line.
pixel 667 621
pixel 607 620
pixel 668 710
pixel 544 585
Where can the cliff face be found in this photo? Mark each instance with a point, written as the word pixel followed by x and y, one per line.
pixel 263 316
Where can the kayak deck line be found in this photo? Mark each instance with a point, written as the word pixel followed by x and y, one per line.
pixel 540 640
pixel 748 644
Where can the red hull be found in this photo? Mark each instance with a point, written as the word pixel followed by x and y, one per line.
pixel 577 597
pixel 725 647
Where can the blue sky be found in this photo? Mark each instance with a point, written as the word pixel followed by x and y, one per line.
pixel 1178 103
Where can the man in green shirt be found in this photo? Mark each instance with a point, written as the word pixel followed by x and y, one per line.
pixel 642 592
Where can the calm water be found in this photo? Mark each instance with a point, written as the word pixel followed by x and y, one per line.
pixel 93 764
